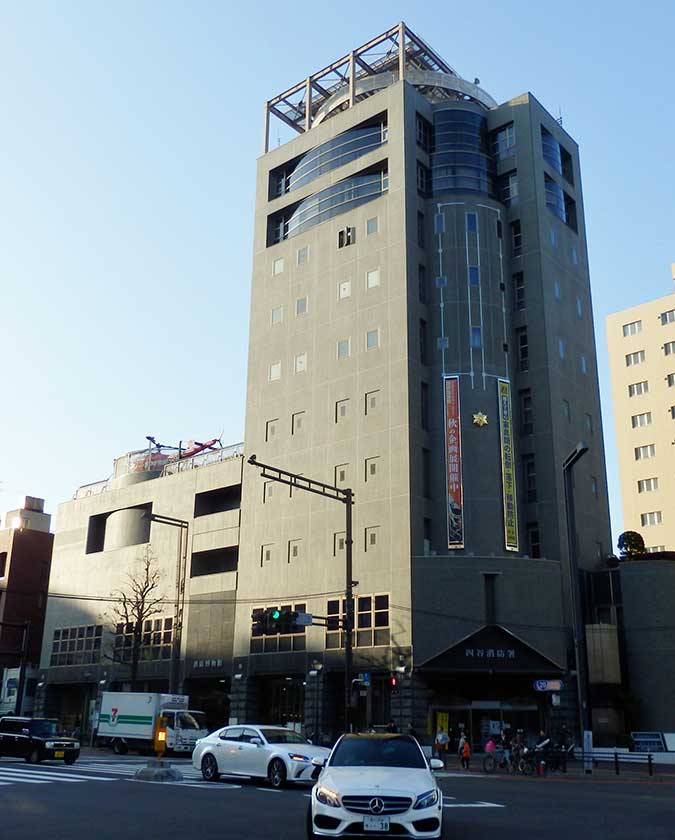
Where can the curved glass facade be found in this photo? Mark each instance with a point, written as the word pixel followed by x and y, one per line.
pixel 461 160
pixel 555 198
pixel 343 196
pixel 346 147
pixel 551 150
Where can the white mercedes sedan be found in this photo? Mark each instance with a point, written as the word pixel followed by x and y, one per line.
pixel 267 752
pixel 376 785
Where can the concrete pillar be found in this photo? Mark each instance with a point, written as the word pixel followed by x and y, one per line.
pixel 243 700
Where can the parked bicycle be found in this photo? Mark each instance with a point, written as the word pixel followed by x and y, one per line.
pixel 499 760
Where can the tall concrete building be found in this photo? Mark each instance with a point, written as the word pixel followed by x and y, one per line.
pixel 421 332
pixel 641 344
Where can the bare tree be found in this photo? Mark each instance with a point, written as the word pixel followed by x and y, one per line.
pixel 135 602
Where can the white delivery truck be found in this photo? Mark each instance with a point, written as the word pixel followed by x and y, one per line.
pixel 127 720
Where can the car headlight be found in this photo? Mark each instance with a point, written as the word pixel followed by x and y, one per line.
pixel 426 800
pixel 328 797
pixel 298 757
pixel 50 745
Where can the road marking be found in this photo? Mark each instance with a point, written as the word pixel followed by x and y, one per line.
pixel 10 779
pixel 473 805
pixel 54 774
pixel 269 790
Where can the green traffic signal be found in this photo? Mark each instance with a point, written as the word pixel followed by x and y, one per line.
pixel 276 614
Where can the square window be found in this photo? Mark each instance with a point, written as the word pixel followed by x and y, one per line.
pixel 347 236
pixel 372 278
pixel 301 305
pixel 297 422
pixel 294 550
pixel 277 315
pixel 278 266
pixel 271 429
pixel 553 237
pixel 341 410
pixel 341 475
pixel 344 289
pixel 372 339
pixel 476 338
pixel 265 555
pixel 343 348
pixel 274 372
pixel 584 365
pixel 471 222
pixel 574 256
pixel 371 538
pixel 338 544
pixel 474 275
pixel 371 401
pixel 372 226
pixel 556 289
pixel 371 465
pixel 561 348
pixel 579 308
pixel 300 363
pixel 303 255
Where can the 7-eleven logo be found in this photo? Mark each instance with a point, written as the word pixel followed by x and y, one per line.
pixel 113 716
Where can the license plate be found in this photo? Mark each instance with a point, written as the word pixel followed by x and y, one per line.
pixel 59 754
pixel 375 823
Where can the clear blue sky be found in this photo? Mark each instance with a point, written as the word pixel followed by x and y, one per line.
pixel 129 137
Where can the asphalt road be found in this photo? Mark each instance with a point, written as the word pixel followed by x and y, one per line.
pixel 98 798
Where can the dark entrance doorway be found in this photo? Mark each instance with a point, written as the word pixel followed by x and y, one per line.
pixel 281 699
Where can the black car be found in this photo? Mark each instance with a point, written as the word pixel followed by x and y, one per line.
pixel 36 739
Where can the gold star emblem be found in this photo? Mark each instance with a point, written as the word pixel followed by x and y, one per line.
pixel 480 419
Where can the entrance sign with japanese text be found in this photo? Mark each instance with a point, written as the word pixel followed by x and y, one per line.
pixel 508 469
pixel 453 463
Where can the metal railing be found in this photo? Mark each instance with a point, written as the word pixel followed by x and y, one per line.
pixel 204 459
pixel 92 489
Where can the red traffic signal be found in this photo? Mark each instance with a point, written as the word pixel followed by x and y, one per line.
pixel 393 682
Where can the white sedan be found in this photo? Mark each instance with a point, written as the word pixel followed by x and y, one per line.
pixel 376 785
pixel 267 752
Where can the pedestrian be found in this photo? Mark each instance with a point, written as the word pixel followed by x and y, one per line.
pixel 441 743
pixel 543 747
pixel 466 755
pixel 505 744
pixel 460 746
pixel 490 747
pixel 391 726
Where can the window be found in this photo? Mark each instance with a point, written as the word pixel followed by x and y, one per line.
pixel 271 430
pixel 372 278
pixel 424 405
pixel 426 546
pixel 268 492
pixel 274 372
pixel 530 478
pixel 642 453
pixel 217 501
pixel 294 550
pixel 266 555
pixel 273 644
pixel 474 275
pixel 303 255
pixel 341 410
pixel 556 289
pixel 503 141
pixel 638 388
pixel 667 317
pixel 516 239
pixel 633 328
pixel 346 236
pixel 372 466
pixel 594 486
pixel 301 305
pixel 343 348
pixel 338 543
pixel 567 414
pixel 82 645
pixel 584 364
pixel 508 188
pixel 652 549
pixel 424 351
pixel 635 358
pixel 300 363
pixel 3 563
pixel 471 222
pixel 344 289
pixel 638 420
pixel 648 485
pixel 341 475
pixel 424 132
pixel 278 266
pixel 426 473
pixel 156 641
pixel 523 350
pixel 519 290
pixel 533 540
pixel 561 348
pixel 672 412
pixel 423 179
pixel 297 422
pixel 670 379
pixel 580 312
pixel 476 338
pixel 420 229
pixel 372 401
pixel 654 517
pixel 574 254
pixel 422 284
pixel 277 315
pixel 669 348
pixel 589 424
pixel 553 237
pixel 371 538
pixel 372 226
pixel 526 412
pixel 371 614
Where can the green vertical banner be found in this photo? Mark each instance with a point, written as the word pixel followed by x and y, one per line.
pixel 508 468
pixel 453 464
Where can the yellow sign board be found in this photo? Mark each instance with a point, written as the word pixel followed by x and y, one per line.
pixel 508 467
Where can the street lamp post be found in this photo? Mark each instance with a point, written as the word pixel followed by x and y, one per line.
pixel 573 569
pixel 346 496
pixel 175 681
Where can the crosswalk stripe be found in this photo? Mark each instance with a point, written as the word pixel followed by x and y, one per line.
pixel 10 779
pixel 55 775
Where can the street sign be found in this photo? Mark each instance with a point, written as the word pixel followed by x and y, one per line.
pixel 365 677
pixel 549 685
pixel 304 619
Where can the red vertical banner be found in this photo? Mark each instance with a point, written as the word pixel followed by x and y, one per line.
pixel 453 463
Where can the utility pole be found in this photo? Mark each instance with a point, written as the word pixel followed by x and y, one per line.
pixel 346 497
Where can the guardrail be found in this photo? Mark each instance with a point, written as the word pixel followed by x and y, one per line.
pixel 616 757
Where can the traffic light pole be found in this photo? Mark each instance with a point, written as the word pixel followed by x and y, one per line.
pixel 346 497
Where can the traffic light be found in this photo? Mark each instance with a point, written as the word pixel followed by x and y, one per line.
pixel 272 621
pixel 160 736
pixel 393 681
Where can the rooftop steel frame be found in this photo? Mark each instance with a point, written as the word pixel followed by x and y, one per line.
pixel 398 51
